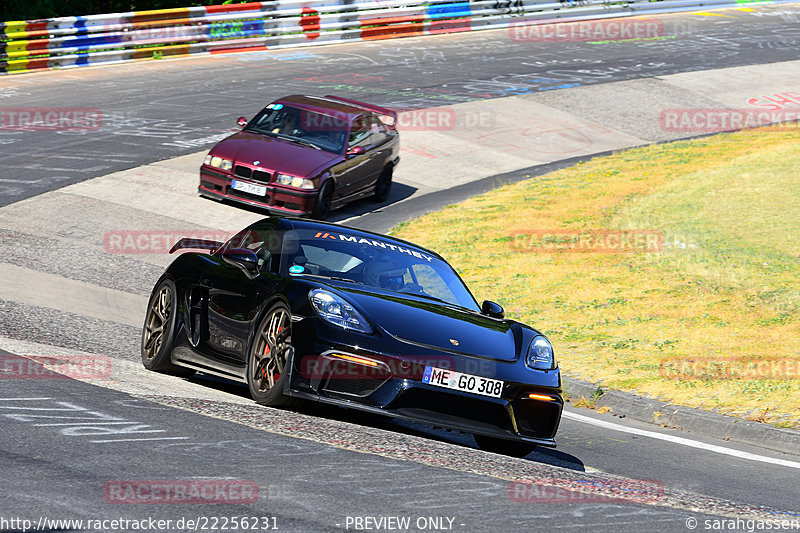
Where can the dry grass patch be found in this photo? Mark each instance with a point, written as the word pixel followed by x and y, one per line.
pixel 724 285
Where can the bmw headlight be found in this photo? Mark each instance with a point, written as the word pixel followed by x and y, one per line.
pixel 338 312
pixel 540 354
pixel 294 181
pixel 218 162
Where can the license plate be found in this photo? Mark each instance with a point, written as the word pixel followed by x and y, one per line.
pixel 450 379
pixel 250 188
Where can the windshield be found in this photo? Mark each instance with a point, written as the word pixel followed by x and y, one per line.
pixel 374 262
pixel 319 131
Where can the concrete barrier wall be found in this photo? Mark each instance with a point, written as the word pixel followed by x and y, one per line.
pixel 89 40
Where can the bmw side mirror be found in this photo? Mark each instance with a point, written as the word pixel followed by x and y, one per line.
pixel 243 258
pixel 356 150
pixel 492 309
pixel 241 121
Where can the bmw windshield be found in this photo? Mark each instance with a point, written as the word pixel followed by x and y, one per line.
pixel 375 262
pixel 316 130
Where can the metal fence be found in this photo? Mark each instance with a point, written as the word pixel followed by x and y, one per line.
pixel 89 40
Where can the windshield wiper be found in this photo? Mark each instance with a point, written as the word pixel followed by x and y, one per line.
pixel 300 141
pixel 428 296
pixel 283 136
pixel 261 132
pixel 337 278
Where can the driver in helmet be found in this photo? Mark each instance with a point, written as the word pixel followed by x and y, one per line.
pixel 385 275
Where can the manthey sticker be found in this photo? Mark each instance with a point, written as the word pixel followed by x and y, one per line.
pixel 371 242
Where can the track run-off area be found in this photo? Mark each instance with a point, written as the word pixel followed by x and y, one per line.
pixel 88 214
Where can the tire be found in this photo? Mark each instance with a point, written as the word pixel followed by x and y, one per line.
pixel 270 357
pixel 383 185
pixel 322 207
pixel 512 448
pixel 158 332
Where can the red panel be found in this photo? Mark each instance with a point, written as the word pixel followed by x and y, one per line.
pixel 40 44
pixel 252 6
pixel 310 23
pixel 389 27
pixel 33 26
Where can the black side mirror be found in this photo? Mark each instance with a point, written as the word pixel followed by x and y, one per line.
pixel 241 121
pixel 243 258
pixel 492 309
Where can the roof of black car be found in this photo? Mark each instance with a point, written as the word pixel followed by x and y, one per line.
pixel 301 223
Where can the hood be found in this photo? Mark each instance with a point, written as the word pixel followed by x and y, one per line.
pixel 275 154
pixel 432 324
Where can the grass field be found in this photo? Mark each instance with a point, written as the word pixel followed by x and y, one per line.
pixel 708 318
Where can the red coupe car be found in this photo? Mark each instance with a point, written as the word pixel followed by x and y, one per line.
pixel 305 155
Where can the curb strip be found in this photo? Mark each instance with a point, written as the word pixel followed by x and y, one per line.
pixel 665 414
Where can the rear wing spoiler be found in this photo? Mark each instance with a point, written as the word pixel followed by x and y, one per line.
pixel 363 105
pixel 201 244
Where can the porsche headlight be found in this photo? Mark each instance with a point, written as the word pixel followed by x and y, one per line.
pixel 540 354
pixel 338 312
pixel 294 181
pixel 218 162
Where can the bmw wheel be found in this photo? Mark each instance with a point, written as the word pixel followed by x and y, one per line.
pixel 322 207
pixel 383 185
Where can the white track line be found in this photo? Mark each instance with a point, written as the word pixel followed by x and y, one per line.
pixel 134 440
pixel 679 440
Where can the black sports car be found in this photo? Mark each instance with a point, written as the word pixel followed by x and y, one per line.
pixel 303 309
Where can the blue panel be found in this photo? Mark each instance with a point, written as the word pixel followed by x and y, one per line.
pixel 451 10
pixel 80 25
pixel 234 29
pixel 87 42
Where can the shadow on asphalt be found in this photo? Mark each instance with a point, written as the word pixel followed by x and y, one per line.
pixel 540 455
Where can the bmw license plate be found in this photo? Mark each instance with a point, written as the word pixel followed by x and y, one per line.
pixel 450 379
pixel 250 188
